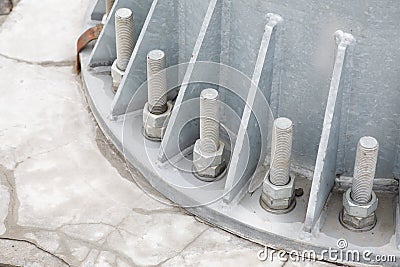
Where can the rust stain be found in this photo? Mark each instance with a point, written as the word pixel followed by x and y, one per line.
pixel 89 35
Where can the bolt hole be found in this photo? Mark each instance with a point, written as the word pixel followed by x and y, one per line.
pixel 299 192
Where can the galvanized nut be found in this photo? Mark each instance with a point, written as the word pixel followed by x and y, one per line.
pixel 278 199
pixel 279 191
pixel 359 210
pixel 208 165
pixel 358 224
pixel 204 160
pixel 154 125
pixel 281 205
pixel 116 75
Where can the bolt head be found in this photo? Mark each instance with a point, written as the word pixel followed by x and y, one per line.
pixel 154 125
pixel 277 192
pixel 359 210
pixel 208 164
pixel 116 74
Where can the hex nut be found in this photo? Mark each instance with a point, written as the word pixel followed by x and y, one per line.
pixel 116 75
pixel 357 223
pixel 278 197
pixel 208 164
pixel 279 191
pixel 211 172
pixel 359 210
pixel 277 204
pixel 154 125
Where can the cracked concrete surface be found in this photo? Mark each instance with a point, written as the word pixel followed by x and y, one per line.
pixel 66 198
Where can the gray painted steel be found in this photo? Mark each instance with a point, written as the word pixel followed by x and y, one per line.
pixel 325 167
pixel 264 65
pixel 98 10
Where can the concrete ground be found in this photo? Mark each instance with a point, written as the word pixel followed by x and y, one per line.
pixel 66 198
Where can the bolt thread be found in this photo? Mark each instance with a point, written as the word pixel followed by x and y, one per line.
pixel 157 82
pixel 124 36
pixel 364 169
pixel 282 136
pixel 209 120
pixel 109 5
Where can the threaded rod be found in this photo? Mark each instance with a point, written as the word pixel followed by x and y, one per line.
pixel 124 36
pixel 157 82
pixel 282 136
pixel 364 169
pixel 209 120
pixel 109 4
